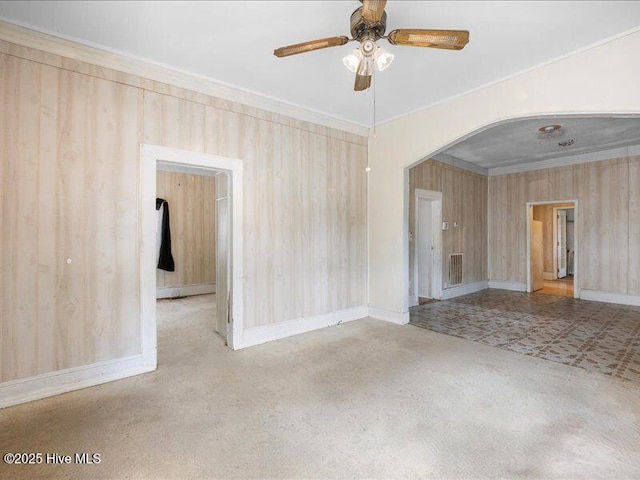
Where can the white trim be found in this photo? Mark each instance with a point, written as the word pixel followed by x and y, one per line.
pixel 267 333
pixel 513 286
pixel 150 157
pixel 436 231
pixel 399 318
pixel 187 169
pixel 465 289
pixel 185 290
pixel 576 242
pixel 610 297
pixel 44 40
pixel 548 276
pixel 567 160
pixel 62 381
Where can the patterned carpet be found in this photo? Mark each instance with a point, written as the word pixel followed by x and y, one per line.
pixel 595 336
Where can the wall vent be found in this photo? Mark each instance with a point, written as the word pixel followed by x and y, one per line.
pixel 455 269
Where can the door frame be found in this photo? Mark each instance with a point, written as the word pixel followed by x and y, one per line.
pixel 529 218
pixel 555 236
pixel 150 157
pixel 435 199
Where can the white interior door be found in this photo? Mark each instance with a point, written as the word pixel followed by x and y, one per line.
pixel 223 250
pixel 537 256
pixel 424 248
pixel 561 243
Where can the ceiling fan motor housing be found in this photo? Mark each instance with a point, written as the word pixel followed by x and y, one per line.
pixel 361 29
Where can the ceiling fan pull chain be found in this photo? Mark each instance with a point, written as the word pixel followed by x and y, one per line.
pixel 373 78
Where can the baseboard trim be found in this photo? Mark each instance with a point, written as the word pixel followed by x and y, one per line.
pixel 513 286
pixel 610 297
pixel 399 318
pixel 466 289
pixel 548 276
pixel 267 333
pixel 185 291
pixel 63 381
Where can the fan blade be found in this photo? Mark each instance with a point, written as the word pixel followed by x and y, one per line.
pixel 310 46
pixel 362 82
pixel 448 39
pixel 372 10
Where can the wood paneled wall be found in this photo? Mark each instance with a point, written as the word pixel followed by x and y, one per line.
pixel 608 194
pixel 191 201
pixel 69 167
pixel 69 190
pixel 464 200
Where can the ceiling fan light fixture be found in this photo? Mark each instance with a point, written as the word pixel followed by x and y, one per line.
pixel 352 61
pixel 550 131
pixel 383 59
pixel 366 67
pixel 368 24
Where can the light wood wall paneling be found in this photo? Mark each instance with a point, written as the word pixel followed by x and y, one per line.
pixel 68 185
pixel 77 66
pixel 300 255
pixel 605 224
pixel 71 134
pixel 464 200
pixel 191 201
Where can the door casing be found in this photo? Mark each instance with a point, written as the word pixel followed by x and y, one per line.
pixel 529 217
pixel 435 202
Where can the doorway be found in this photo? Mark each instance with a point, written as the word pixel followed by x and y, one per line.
pixel 427 246
pixel 229 285
pixel 552 248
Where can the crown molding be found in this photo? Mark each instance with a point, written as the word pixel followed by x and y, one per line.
pixel 568 160
pixel 458 163
pixel 28 36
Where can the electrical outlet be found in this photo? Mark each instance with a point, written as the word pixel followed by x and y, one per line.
pixel 445 225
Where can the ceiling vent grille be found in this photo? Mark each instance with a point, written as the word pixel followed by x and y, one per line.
pixel 455 269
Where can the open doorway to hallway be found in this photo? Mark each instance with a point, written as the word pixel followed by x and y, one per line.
pixel 193 248
pixel 226 317
pixel 552 252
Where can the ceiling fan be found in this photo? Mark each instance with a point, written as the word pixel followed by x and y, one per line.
pixel 368 25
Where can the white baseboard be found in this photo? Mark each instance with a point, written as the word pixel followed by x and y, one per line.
pixel 513 286
pixel 548 276
pixel 62 381
pixel 267 333
pixel 466 289
pixel 400 318
pixel 185 291
pixel 610 297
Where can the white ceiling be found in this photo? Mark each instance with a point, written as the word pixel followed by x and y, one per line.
pixel 517 142
pixel 233 42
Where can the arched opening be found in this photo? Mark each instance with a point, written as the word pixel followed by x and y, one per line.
pixel 487 237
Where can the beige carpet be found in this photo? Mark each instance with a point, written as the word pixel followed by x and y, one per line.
pixel 366 399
